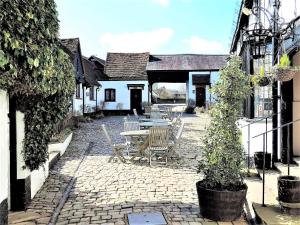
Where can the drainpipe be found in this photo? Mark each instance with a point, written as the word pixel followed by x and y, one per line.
pixel 275 90
pixel 96 98
pixel 83 96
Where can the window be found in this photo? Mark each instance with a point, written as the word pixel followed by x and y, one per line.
pixel 92 96
pixel 78 90
pixel 110 95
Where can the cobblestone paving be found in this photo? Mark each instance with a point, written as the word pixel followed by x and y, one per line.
pixel 104 193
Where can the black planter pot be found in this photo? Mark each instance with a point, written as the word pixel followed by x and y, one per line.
pixel 283 156
pixel 220 205
pixel 259 160
pixel 289 194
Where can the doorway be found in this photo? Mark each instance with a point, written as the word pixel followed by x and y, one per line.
pixel 136 100
pixel 200 96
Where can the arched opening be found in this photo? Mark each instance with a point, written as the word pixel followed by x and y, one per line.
pixel 168 93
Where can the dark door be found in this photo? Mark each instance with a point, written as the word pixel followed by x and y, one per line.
pixel 200 96
pixel 136 100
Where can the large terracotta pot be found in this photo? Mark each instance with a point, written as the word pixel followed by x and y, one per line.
pixel 220 205
pixel 289 194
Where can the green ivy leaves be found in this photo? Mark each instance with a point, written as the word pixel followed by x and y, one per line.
pixel 35 70
pixel 3 60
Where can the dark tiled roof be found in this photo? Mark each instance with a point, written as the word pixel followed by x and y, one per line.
pixel 186 62
pixel 97 59
pixel 90 72
pixel 71 44
pixel 126 66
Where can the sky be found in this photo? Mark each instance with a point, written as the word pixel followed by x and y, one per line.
pixel 155 26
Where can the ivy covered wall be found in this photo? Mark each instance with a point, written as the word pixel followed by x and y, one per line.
pixel 35 71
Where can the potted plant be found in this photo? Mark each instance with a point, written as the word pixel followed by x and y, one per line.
pixel 222 191
pixel 259 160
pixel 190 106
pixel 261 79
pixel 289 194
pixel 284 71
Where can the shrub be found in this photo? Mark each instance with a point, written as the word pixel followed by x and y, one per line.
pixel 222 160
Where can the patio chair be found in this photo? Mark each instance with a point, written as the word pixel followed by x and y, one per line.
pixel 169 113
pixel 117 149
pixel 175 142
pixel 158 143
pixel 128 126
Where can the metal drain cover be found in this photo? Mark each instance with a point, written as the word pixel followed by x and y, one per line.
pixel 152 218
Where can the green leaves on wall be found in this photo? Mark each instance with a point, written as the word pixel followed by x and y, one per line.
pixel 35 70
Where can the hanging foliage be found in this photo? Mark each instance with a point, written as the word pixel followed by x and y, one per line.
pixel 35 70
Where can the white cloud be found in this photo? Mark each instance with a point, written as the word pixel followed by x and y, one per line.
pixel 150 41
pixel 203 46
pixel 162 2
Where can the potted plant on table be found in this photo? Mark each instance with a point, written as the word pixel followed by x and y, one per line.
pixel 222 191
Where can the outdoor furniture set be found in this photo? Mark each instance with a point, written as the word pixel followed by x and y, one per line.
pixel 152 138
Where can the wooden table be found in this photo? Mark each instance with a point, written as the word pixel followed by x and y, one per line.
pixel 161 114
pixel 144 141
pixel 152 120
pixel 152 124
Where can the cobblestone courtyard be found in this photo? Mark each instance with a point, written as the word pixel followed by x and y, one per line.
pixel 104 193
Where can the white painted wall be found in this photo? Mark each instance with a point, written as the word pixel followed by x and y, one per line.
pixel 60 147
pixel 77 103
pixel 38 178
pixel 122 93
pixel 191 89
pixel 21 173
pixel 4 145
pixel 90 105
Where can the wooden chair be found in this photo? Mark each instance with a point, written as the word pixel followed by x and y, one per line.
pixel 158 143
pixel 130 141
pixel 117 149
pixel 175 142
pixel 169 113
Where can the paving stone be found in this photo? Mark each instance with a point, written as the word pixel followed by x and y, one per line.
pixel 105 192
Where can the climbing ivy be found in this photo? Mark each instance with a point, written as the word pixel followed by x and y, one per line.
pixel 35 70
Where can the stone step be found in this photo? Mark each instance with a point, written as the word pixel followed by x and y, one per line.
pixel 283 168
pixel 23 217
pixel 271 215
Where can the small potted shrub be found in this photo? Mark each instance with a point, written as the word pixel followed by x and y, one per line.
pixel 222 191
pixel 191 106
pixel 284 71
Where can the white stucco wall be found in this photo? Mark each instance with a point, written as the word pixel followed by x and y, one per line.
pixel 77 103
pixel 21 173
pixel 4 145
pixel 122 93
pixel 38 178
pixel 90 105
